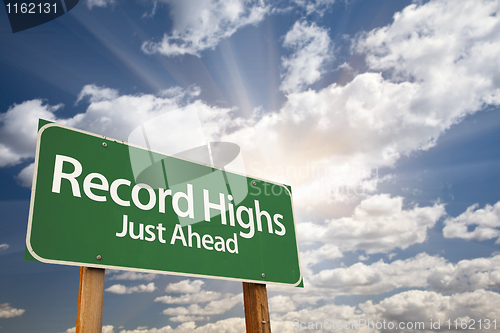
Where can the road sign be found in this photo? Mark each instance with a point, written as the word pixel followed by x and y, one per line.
pixel 176 217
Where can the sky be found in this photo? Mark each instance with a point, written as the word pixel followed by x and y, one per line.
pixel 381 115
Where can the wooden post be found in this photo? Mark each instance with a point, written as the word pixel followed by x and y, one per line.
pixel 256 309
pixel 90 296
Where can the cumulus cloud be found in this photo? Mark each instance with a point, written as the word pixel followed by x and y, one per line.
pixel 4 246
pixel 25 177
pixel 466 275
pixel 414 306
pixel 422 271
pixel 200 25
pixel 310 258
pixel 121 289
pixel 445 49
pixel 108 329
pixel 422 306
pixel 6 311
pixel 184 318
pixel 18 130
pixel 435 64
pixel 486 223
pixel 97 94
pixel 197 297
pixel 378 277
pixel 216 307
pixel 192 294
pixel 108 113
pixel 185 287
pixel 230 325
pixel 378 224
pixel 132 276
pixel 281 303
pixel 311 49
pixel 117 115
pixel 441 42
pixel 283 323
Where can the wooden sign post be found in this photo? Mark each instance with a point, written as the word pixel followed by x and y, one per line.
pixel 90 298
pixel 91 293
pixel 256 308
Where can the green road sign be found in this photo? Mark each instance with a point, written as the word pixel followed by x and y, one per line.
pixel 100 202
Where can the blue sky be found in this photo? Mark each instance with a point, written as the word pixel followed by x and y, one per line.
pixel 389 108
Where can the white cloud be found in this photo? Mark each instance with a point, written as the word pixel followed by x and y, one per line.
pixel 448 50
pixel 391 255
pixel 116 116
pixel 422 271
pixel 440 42
pixel 310 258
pixel 192 295
pixel 422 306
pixel 121 289
pixel 216 307
pixel 378 277
pixel 185 287
pixel 108 329
pixel 197 297
pixel 364 258
pixel 18 130
pixel 6 311
pixel 378 224
pixel 486 222
pixel 412 306
pixel 284 324
pixel 99 3
pixel 184 318
pixel 25 177
pixel 4 246
pixel 466 275
pixel 435 64
pixel 108 114
pixel 186 327
pixel 97 94
pixel 200 25
pixel 311 49
pixel 132 276
pixel 230 325
pixel 281 303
